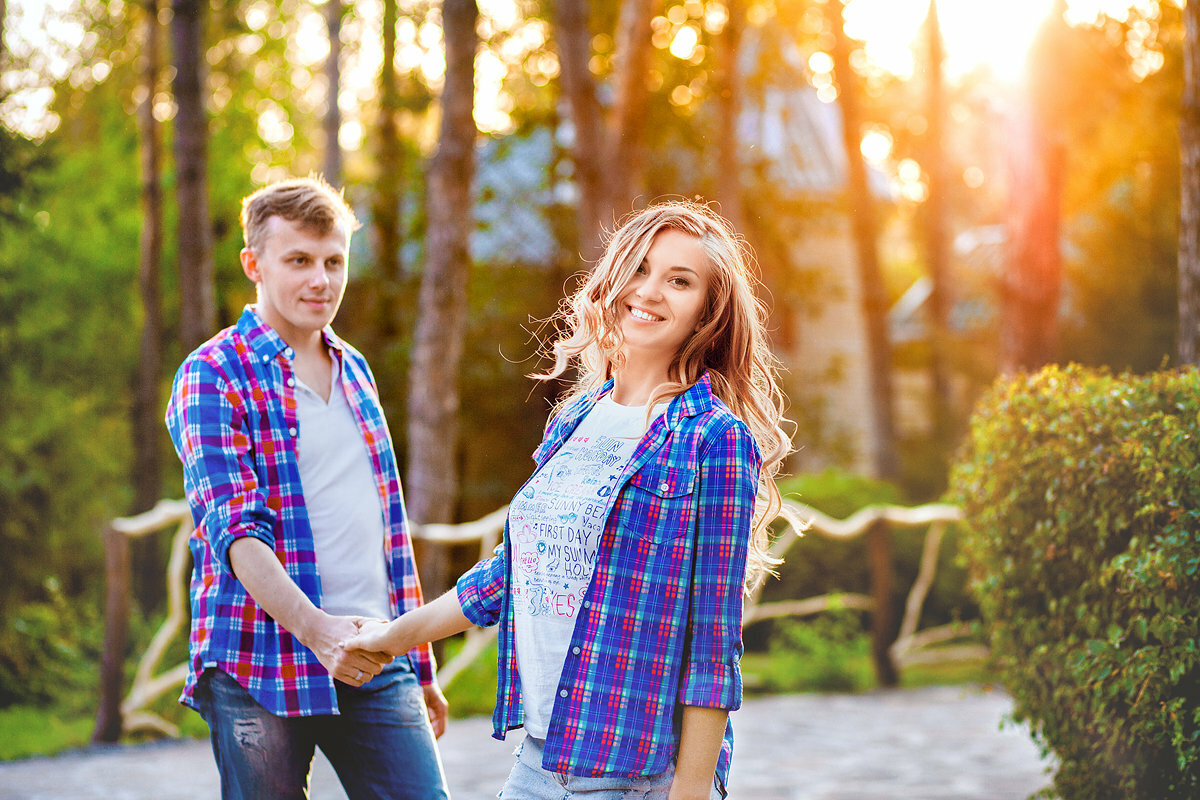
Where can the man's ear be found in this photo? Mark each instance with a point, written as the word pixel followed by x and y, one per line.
pixel 250 264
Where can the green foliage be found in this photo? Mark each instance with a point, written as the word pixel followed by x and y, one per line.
pixel 829 653
pixel 817 565
pixel 473 691
pixel 33 731
pixel 1083 492
pixel 49 652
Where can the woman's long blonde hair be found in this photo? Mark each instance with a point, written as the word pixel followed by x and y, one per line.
pixel 729 344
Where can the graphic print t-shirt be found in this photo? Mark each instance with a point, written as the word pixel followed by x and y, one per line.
pixel 554 527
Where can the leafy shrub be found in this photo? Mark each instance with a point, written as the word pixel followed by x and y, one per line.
pixel 49 652
pixel 828 653
pixel 1083 494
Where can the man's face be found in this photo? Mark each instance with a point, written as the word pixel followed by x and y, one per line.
pixel 301 278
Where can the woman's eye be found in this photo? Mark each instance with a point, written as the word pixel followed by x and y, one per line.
pixel 680 282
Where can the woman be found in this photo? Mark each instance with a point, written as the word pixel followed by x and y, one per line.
pixel 619 584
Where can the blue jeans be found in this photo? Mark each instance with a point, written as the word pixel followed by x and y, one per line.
pixel 381 744
pixel 530 781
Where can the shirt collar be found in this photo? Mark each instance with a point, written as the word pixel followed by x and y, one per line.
pixel 267 343
pixel 696 399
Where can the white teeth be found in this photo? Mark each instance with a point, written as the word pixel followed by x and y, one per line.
pixel 639 314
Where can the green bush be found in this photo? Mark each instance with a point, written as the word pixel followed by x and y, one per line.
pixel 829 653
pixel 1083 494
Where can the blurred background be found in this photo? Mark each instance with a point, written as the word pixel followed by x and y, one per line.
pixel 937 193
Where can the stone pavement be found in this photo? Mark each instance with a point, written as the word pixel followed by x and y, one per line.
pixel 942 743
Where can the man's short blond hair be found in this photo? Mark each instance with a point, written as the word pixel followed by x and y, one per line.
pixel 311 202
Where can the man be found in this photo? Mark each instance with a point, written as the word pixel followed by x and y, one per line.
pixel 301 533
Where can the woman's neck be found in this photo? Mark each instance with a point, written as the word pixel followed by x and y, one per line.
pixel 635 382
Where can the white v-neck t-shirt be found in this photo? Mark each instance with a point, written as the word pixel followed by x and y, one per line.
pixel 343 503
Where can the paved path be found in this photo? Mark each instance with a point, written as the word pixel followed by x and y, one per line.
pixel 941 743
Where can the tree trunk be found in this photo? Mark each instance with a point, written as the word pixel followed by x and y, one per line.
pixel 198 312
pixel 574 39
pixel 149 558
pixel 936 251
pixel 865 230
pixel 626 149
pixel 1189 201
pixel 608 156
pixel 332 122
pixel 386 214
pixel 432 485
pixel 1033 283
pixel 147 407
pixel 728 96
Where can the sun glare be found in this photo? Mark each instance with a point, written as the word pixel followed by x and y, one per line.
pixel 977 33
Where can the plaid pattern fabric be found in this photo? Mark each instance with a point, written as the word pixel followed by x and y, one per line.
pixel 660 625
pixel 232 418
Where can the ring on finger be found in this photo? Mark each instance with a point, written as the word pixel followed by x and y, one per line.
pixel 359 676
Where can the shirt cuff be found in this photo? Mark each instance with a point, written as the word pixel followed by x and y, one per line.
pixel 477 594
pixel 711 685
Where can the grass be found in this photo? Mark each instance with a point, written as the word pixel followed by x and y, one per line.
pixel 26 731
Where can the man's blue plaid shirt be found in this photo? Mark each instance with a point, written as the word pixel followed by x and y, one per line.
pixel 660 625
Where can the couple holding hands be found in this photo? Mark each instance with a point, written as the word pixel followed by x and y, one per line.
pixel 617 588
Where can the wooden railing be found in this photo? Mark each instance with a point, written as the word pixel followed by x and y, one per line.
pixel 875 522
pixel 117 715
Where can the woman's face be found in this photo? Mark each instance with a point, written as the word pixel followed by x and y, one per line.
pixel 662 304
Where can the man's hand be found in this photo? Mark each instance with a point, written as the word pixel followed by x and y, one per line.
pixel 324 635
pixel 439 709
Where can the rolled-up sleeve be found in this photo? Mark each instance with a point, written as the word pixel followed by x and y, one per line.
pixel 207 421
pixel 728 483
pixel 481 589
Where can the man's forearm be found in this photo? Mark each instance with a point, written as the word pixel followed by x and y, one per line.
pixel 258 569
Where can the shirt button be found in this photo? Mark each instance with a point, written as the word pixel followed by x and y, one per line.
pixel 289 352
pixel 587 603
pixel 662 487
pixel 266 358
pixel 575 650
pixel 291 382
pixel 292 431
pixel 563 693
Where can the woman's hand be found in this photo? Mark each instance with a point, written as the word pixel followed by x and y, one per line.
pixel 377 636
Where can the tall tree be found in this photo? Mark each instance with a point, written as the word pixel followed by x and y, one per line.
pixel 1189 206
pixel 432 475
pixel 332 121
pixel 728 45
pixel 865 227
pixel 386 213
pixel 147 407
pixel 609 150
pixel 1032 286
pixel 198 313
pixel 936 249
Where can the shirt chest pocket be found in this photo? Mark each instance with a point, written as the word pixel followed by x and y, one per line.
pixel 660 503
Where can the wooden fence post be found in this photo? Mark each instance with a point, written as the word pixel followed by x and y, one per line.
pixel 116 635
pixel 879 557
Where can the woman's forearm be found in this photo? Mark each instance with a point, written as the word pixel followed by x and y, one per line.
pixel 430 622
pixel 699 747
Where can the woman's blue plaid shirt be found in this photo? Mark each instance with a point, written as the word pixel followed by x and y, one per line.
pixel 660 625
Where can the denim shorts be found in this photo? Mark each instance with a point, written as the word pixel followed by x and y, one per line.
pixel 529 781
